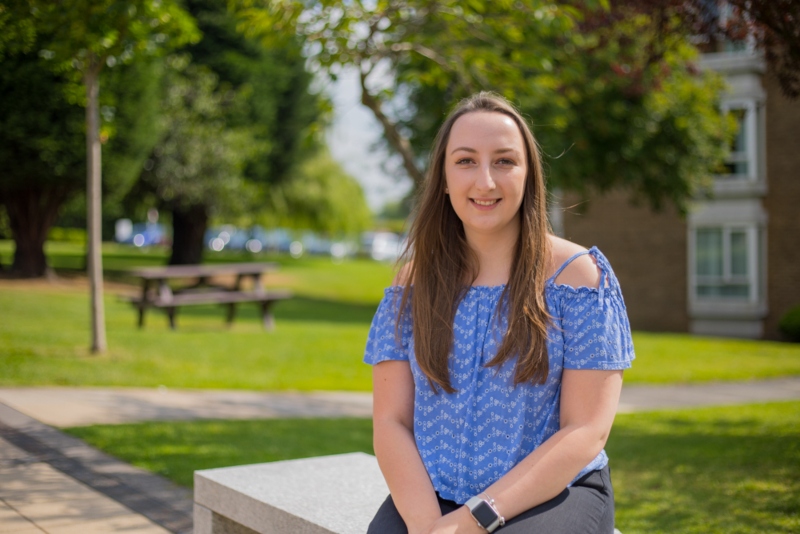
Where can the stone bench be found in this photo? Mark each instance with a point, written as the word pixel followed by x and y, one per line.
pixel 325 495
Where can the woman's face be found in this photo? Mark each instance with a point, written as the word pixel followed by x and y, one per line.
pixel 485 168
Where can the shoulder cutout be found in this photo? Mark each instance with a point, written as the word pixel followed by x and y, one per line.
pixel 402 275
pixel 581 272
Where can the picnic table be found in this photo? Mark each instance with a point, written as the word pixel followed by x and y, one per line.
pixel 202 285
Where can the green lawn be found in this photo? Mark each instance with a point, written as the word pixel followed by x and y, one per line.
pixel 318 342
pixel 727 470
pixel 176 449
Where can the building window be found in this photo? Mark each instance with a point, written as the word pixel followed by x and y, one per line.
pixel 727 14
pixel 726 263
pixel 742 161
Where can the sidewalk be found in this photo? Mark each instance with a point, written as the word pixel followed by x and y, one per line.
pixel 53 483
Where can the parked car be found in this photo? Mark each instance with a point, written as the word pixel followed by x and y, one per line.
pixel 145 235
pixel 226 237
pixel 382 246
pixel 276 240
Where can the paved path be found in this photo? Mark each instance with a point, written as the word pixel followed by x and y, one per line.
pixel 66 407
pixel 53 483
pixel 641 398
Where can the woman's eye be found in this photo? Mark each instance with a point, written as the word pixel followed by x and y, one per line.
pixel 463 161
pixel 505 161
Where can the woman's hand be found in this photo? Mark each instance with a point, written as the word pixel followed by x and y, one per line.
pixel 457 522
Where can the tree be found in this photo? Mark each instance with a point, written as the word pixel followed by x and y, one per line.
pixel 273 103
pixel 772 26
pixel 629 109
pixel 537 54
pixel 320 197
pixel 456 40
pixel 81 37
pixel 42 163
pixel 132 122
pixel 196 167
pixel 17 27
pixel 775 24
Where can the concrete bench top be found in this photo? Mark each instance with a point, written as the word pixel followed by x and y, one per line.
pixel 324 495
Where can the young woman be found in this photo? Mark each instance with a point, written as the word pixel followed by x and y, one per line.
pixel 498 351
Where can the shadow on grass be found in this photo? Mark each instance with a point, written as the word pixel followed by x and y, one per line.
pixel 686 475
pixel 302 308
pixel 176 449
pixel 298 308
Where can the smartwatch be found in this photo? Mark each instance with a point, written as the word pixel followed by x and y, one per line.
pixel 485 514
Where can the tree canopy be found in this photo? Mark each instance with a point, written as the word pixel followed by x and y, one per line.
pixel 321 197
pixel 619 104
pixel 266 118
pixel 80 37
pixel 42 155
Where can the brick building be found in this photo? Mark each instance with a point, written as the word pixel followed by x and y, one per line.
pixel 732 266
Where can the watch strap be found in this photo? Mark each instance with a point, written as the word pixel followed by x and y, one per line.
pixel 490 524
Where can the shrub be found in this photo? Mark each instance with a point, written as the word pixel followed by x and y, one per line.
pixel 790 324
pixel 69 235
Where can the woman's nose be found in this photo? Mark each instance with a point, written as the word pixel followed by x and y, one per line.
pixel 484 181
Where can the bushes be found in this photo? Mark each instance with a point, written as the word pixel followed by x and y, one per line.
pixel 790 324
pixel 67 235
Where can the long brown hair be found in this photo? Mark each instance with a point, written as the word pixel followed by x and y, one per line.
pixel 442 260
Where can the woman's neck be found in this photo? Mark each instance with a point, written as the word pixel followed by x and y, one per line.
pixel 495 255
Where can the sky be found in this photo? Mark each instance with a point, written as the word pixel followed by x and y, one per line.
pixel 354 141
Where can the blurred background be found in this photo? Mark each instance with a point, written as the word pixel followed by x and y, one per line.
pixel 668 130
pixel 186 132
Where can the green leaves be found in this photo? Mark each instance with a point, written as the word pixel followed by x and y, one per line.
pixel 614 96
pixel 199 159
pixel 17 27
pixel 321 197
pixel 87 34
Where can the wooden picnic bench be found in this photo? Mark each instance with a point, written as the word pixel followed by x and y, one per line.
pixel 158 293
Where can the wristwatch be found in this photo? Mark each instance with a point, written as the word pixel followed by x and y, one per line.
pixel 484 513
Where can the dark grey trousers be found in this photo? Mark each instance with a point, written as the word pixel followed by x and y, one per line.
pixel 586 507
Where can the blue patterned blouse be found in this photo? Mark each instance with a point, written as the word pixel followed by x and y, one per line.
pixel 471 438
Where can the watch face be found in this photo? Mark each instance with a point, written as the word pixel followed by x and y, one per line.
pixel 484 514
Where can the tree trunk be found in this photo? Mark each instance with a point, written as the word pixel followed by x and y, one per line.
pixel 188 232
pixel 93 204
pixel 393 135
pixel 31 213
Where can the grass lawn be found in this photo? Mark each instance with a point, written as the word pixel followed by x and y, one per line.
pixel 728 470
pixel 732 470
pixel 318 342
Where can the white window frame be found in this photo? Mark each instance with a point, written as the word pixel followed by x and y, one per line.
pixel 751 127
pixel 752 278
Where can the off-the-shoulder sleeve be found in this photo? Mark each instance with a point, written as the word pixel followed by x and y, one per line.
pixel 597 333
pixel 385 341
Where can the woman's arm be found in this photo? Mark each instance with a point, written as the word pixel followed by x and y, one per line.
pixel 589 402
pixel 393 439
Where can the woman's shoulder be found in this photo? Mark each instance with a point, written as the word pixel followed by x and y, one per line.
pixel 582 271
pixel 404 274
